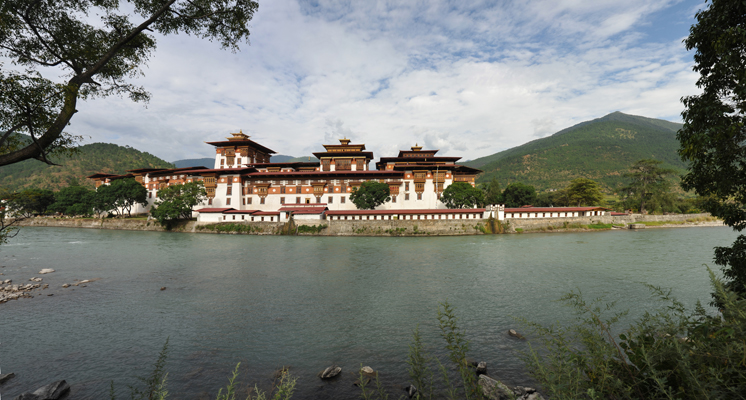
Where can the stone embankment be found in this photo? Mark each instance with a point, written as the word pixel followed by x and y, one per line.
pixel 391 227
pixel 631 221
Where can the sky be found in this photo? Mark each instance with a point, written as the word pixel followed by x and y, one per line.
pixel 470 78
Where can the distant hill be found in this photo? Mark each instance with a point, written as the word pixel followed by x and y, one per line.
pixel 195 162
pixel 280 158
pixel 601 149
pixel 92 158
pixel 296 159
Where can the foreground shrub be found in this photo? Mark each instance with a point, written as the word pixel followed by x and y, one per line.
pixel 672 353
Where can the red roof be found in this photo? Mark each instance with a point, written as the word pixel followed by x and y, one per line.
pixel 243 142
pixel 174 171
pixel 303 210
pixel 213 210
pixel 223 170
pixel 552 209
pixel 94 176
pixel 392 212
pixel 375 172
pixel 241 211
pixel 266 213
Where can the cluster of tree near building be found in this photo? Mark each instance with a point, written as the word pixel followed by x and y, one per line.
pixel 649 189
pixel 116 199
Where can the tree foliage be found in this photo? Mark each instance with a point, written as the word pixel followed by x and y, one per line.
pixel 30 202
pixel 177 201
pixel 584 192
pixel 714 132
pixel 74 200
pixel 462 195
pixel 120 196
pixel 648 183
pixel 492 192
pixel 557 198
pixel 370 195
pixel 97 59
pixel 518 195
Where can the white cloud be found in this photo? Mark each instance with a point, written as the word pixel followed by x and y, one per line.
pixel 468 78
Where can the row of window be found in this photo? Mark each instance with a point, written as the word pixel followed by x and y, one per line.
pixel 375 217
pixel 243 217
pixel 403 217
pixel 536 215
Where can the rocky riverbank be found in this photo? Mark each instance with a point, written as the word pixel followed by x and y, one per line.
pixel 15 291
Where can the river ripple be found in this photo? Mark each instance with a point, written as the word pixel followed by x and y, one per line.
pixel 309 302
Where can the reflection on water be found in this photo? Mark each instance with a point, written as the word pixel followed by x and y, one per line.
pixel 308 302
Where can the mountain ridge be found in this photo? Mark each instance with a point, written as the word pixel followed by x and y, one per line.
pixel 601 149
pixel 91 158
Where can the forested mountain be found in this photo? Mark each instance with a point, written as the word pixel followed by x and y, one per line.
pixel 92 158
pixel 602 149
pixel 195 162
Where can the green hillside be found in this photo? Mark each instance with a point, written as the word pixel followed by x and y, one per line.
pixel 601 149
pixel 92 158
pixel 195 162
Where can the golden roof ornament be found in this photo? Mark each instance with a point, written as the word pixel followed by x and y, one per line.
pixel 416 147
pixel 238 136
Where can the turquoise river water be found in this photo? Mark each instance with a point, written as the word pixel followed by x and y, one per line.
pixel 309 302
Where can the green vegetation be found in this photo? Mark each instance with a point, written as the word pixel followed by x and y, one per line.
pixel 231 228
pixel 396 231
pixel 195 162
pixel 74 201
pixel 121 195
pixel 462 195
pixel 90 159
pixel 648 184
pixel 600 226
pixel 370 195
pixel 176 202
pixel 492 192
pixel 311 228
pixel 30 202
pixel 670 353
pixel 712 139
pixel 517 195
pixel 601 150
pixel 583 192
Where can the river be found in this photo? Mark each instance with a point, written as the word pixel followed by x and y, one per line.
pixel 309 302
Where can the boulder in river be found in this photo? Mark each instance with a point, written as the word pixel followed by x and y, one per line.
pixel 367 370
pixel 512 332
pixel 46 271
pixel 411 391
pixel 330 372
pixel 54 391
pixel 494 389
pixel 5 377
pixel 481 368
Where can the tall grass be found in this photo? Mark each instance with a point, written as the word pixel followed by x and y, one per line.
pixel 672 353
